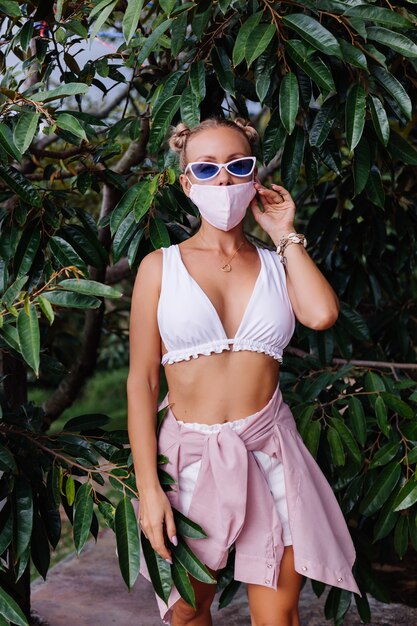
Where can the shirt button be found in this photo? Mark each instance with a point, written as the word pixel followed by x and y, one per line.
pixel 339 580
pixel 267 580
pixel 269 565
pixel 304 568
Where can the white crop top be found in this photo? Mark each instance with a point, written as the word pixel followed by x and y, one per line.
pixel 190 326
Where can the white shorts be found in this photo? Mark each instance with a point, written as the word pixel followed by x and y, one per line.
pixel 273 468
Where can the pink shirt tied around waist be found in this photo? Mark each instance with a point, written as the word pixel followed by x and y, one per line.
pixel 233 503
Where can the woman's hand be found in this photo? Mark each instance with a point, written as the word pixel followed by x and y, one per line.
pixel 277 217
pixel 155 514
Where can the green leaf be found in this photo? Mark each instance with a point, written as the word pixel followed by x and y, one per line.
pixel 85 243
pixel 355 115
pixel 167 5
pixel 83 515
pixel 407 496
pixel 99 6
pixel 6 534
pixel 103 15
pixel 26 251
pixel 292 157
pixel 29 337
pixel 11 294
pixel 46 309
pixel 399 406
pixel 347 439
pixel 24 130
pixel 323 122
pixel 198 80
pixel 10 8
pixel 159 570
pixel 361 165
pixel 401 149
pixel 86 422
pixel 189 108
pixel 357 417
pixel 152 41
pixel 242 38
pixel 7 462
pixel 273 139
pixel 353 55
pixel 10 610
pixel 378 15
pixel 70 490
pixel 385 454
pixel 178 33
pixel 182 582
pixel 394 88
pixel 313 33
pixel 386 519
pixel 24 514
pixel 65 254
pixel 288 101
pixel 7 143
pixel 9 334
pixel 336 447
pixel 159 234
pixel 353 322
pixel 161 122
pixel 379 119
pixel 229 593
pixel 381 489
pixel 312 437
pixel 71 300
pixel 186 527
pixel 223 69
pixel 382 416
pixel 374 188
pixel 313 67
pixel 131 19
pixel 70 123
pixel 259 40
pixel 143 200
pixel 89 288
pixel 127 538
pixel 64 91
pixel 395 41
pixel 20 185
pixel 401 536
pixel 192 564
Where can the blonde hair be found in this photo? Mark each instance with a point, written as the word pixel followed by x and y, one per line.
pixel 182 133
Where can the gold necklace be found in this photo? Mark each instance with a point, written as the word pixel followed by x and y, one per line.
pixel 226 267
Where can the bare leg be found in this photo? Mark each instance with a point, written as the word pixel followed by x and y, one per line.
pixel 270 607
pixel 185 615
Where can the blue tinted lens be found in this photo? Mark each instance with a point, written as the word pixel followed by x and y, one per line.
pixel 204 170
pixel 242 167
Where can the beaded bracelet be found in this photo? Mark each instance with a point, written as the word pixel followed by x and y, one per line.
pixel 287 240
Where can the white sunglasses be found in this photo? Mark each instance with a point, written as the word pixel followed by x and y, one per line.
pixel 204 170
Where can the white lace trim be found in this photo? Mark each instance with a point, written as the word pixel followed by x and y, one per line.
pixel 205 349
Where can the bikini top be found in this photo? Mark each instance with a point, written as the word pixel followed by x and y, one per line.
pixel 190 326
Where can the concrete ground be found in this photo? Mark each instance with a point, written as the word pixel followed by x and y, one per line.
pixel 89 591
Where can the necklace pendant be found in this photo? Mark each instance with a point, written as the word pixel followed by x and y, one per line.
pixel 226 267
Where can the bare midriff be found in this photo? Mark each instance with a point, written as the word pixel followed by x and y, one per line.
pixel 221 387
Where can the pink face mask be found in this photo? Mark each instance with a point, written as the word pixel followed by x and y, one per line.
pixel 223 206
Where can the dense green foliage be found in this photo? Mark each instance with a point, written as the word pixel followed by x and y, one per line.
pixel 87 190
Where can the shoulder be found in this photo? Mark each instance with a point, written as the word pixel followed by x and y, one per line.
pixel 149 274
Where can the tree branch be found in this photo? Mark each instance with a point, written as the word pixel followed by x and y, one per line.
pixel 358 362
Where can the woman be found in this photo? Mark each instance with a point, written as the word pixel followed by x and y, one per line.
pixel 220 311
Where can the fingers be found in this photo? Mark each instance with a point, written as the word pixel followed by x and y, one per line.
pixel 155 535
pixel 170 526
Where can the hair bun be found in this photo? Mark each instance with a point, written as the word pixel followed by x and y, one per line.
pixel 179 137
pixel 249 130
